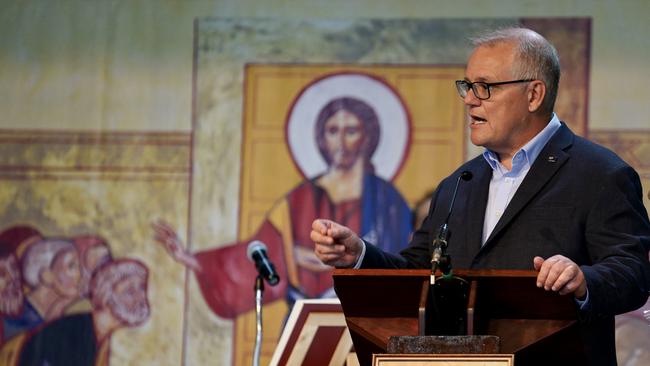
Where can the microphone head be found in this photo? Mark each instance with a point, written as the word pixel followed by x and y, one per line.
pixel 466 175
pixel 254 246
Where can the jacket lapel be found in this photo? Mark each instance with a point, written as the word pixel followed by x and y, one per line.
pixel 477 202
pixel 550 159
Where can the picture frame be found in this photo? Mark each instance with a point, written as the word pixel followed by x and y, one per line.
pixel 443 360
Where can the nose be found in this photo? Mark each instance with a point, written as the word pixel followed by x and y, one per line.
pixel 341 137
pixel 470 98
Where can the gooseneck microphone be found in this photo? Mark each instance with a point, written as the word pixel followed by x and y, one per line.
pixel 439 259
pixel 257 253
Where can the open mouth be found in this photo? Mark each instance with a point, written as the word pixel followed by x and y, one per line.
pixel 476 120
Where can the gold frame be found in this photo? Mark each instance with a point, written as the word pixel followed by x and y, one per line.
pixel 443 360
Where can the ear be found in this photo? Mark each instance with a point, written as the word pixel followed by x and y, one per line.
pixel 536 94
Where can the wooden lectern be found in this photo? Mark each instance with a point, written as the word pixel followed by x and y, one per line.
pixel 537 326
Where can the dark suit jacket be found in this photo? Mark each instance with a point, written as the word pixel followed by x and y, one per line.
pixel 579 200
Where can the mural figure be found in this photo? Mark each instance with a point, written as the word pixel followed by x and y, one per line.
pixel 11 292
pixel 347 132
pixel 61 306
pixel 49 274
pixel 51 271
pixel 93 253
pixel 13 240
pixel 118 292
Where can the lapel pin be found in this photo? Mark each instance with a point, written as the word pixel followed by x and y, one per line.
pixel 552 159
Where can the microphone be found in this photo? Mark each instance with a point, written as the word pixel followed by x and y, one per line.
pixel 438 258
pixel 256 252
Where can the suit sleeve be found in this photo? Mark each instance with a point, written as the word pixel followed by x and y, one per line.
pixel 617 233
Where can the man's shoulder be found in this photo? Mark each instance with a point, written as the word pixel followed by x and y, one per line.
pixel 589 154
pixel 583 154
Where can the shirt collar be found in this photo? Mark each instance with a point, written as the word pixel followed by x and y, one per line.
pixel 531 149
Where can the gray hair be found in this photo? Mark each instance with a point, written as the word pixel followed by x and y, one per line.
pixel 109 274
pixel 537 57
pixel 39 256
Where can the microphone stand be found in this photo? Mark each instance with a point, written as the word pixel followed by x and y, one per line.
pixel 259 289
pixel 448 296
pixel 440 259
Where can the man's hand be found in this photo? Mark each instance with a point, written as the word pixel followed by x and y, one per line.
pixel 166 236
pixel 335 244
pixel 560 274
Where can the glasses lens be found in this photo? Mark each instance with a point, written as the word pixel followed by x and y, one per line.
pixel 462 86
pixel 482 90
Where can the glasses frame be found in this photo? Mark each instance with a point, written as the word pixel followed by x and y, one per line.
pixel 488 86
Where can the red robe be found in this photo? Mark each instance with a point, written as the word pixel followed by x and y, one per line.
pixel 227 277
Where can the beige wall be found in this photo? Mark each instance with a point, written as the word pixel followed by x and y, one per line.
pixel 53 70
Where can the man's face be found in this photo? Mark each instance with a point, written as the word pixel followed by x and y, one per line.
pixel 96 256
pixel 66 273
pixel 11 294
pixel 344 138
pixel 500 122
pixel 128 301
pixel 93 259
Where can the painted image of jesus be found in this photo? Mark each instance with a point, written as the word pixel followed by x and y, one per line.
pixel 347 132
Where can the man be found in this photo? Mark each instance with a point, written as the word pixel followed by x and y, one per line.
pixel 13 240
pixel 93 253
pixel 50 272
pixel 15 316
pixel 11 292
pixel 347 135
pixel 51 269
pixel 540 198
pixel 118 292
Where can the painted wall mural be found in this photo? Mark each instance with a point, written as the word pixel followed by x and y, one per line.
pixel 125 248
pixel 280 86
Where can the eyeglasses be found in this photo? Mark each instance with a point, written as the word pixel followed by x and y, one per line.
pixel 481 89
